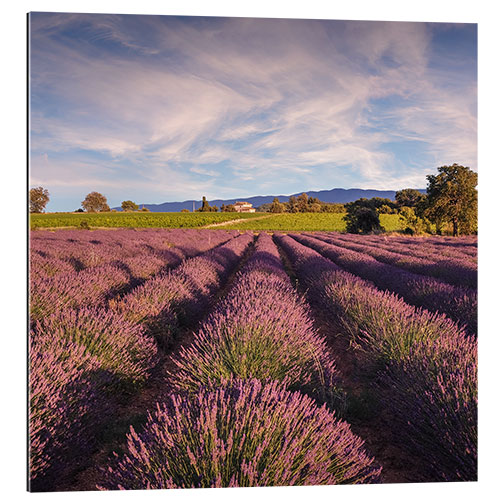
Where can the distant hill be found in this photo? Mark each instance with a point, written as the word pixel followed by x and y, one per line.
pixel 336 195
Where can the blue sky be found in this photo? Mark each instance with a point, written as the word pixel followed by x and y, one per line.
pixel 161 108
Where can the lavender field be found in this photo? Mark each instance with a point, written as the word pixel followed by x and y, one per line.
pixel 181 358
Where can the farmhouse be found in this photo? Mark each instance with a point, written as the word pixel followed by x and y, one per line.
pixel 243 206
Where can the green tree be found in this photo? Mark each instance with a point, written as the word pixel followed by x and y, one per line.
pixel 411 222
pixel 364 220
pixel 205 206
pixel 129 206
pixel 314 207
pixel 333 208
pixel 264 207
pixel 302 200
pixel 277 207
pixel 95 202
pixel 39 197
pixel 452 198
pixel 385 209
pixel 292 206
pixel 372 203
pixel 185 211
pixel 409 197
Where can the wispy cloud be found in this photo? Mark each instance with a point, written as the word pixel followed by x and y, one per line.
pixel 180 107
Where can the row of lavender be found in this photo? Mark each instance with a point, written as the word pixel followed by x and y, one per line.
pixel 463 243
pixel 459 303
pixel 85 356
pixel 423 366
pixel 141 251
pixel 123 259
pixel 234 418
pixel 461 271
pixel 420 247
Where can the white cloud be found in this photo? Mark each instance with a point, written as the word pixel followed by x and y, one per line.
pixel 267 98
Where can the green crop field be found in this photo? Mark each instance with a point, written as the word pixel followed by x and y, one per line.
pixel 295 222
pixel 255 221
pixel 309 222
pixel 134 219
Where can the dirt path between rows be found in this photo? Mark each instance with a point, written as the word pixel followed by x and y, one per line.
pixel 236 221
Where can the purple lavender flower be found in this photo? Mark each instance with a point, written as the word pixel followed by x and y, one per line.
pixel 459 303
pixel 461 272
pixel 66 405
pixel 181 295
pixel 122 348
pixel 427 366
pixel 262 329
pixel 243 433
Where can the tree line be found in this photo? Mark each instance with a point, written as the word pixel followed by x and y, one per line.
pixel 93 202
pixel 450 201
pixel 301 204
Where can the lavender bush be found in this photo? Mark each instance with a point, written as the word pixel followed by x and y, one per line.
pixel 433 393
pixel 244 433
pixel 73 290
pixel 46 267
pixel 85 249
pixel 262 329
pixel 66 404
pixel 83 355
pixel 418 246
pixel 122 348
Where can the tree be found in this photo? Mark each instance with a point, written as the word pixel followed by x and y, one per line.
pixel 205 207
pixel 129 206
pixel 363 220
pixel 411 222
pixel 409 197
pixel 95 202
pixel 314 207
pixel 264 207
pixel 452 198
pixel 385 209
pixel 292 205
pixel 39 197
pixel 372 203
pixel 302 200
pixel 277 207
pixel 333 208
pixel 227 208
